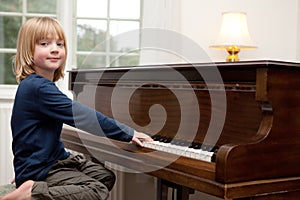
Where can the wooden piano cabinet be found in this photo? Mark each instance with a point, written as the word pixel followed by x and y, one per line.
pixel 279 196
pixel 182 193
pixel 259 143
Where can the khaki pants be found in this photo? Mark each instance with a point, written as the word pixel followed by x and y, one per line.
pixel 75 178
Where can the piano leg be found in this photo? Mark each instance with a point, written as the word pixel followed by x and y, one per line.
pixel 182 193
pixel 162 190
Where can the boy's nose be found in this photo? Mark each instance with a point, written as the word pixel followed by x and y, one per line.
pixel 54 48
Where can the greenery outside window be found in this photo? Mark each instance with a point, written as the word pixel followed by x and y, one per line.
pixel 102 33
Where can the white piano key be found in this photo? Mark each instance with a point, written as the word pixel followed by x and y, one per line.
pixel 198 154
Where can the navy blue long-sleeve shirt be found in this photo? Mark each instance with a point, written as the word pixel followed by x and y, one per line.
pixel 39 111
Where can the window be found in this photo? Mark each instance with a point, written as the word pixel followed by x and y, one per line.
pixel 94 30
pixel 108 33
pixel 12 14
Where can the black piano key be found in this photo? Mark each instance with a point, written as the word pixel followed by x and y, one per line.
pixel 165 140
pixel 156 137
pixel 195 145
pixel 214 149
pixel 206 147
pixel 168 140
pixel 180 142
pixel 214 156
pixel 175 142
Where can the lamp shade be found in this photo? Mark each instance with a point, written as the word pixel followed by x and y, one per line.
pixel 234 32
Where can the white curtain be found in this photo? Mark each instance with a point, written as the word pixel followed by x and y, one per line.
pixel 160 18
pixel 164 14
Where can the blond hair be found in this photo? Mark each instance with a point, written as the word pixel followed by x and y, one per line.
pixel 31 32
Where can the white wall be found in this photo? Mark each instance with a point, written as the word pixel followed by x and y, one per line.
pixel 273 26
pixel 7 93
pixel 6 156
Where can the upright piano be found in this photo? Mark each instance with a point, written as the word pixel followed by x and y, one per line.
pixel 231 130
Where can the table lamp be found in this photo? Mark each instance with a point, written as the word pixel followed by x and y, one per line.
pixel 234 35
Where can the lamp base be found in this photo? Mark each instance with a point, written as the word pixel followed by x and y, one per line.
pixel 233 53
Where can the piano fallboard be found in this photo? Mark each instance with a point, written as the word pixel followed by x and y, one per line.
pixel 249 110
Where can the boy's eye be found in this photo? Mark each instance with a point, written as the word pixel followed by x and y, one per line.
pixel 47 43
pixel 44 43
pixel 60 44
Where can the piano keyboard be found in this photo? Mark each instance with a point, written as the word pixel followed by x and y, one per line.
pixel 196 151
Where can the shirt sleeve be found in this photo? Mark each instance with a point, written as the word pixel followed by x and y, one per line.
pixel 56 105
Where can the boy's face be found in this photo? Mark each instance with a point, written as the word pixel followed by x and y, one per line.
pixel 49 55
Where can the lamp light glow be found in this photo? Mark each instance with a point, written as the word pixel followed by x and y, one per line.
pixel 234 35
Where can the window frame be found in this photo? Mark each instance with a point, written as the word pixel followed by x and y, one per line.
pixel 108 53
pixel 66 15
pixel 7 91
